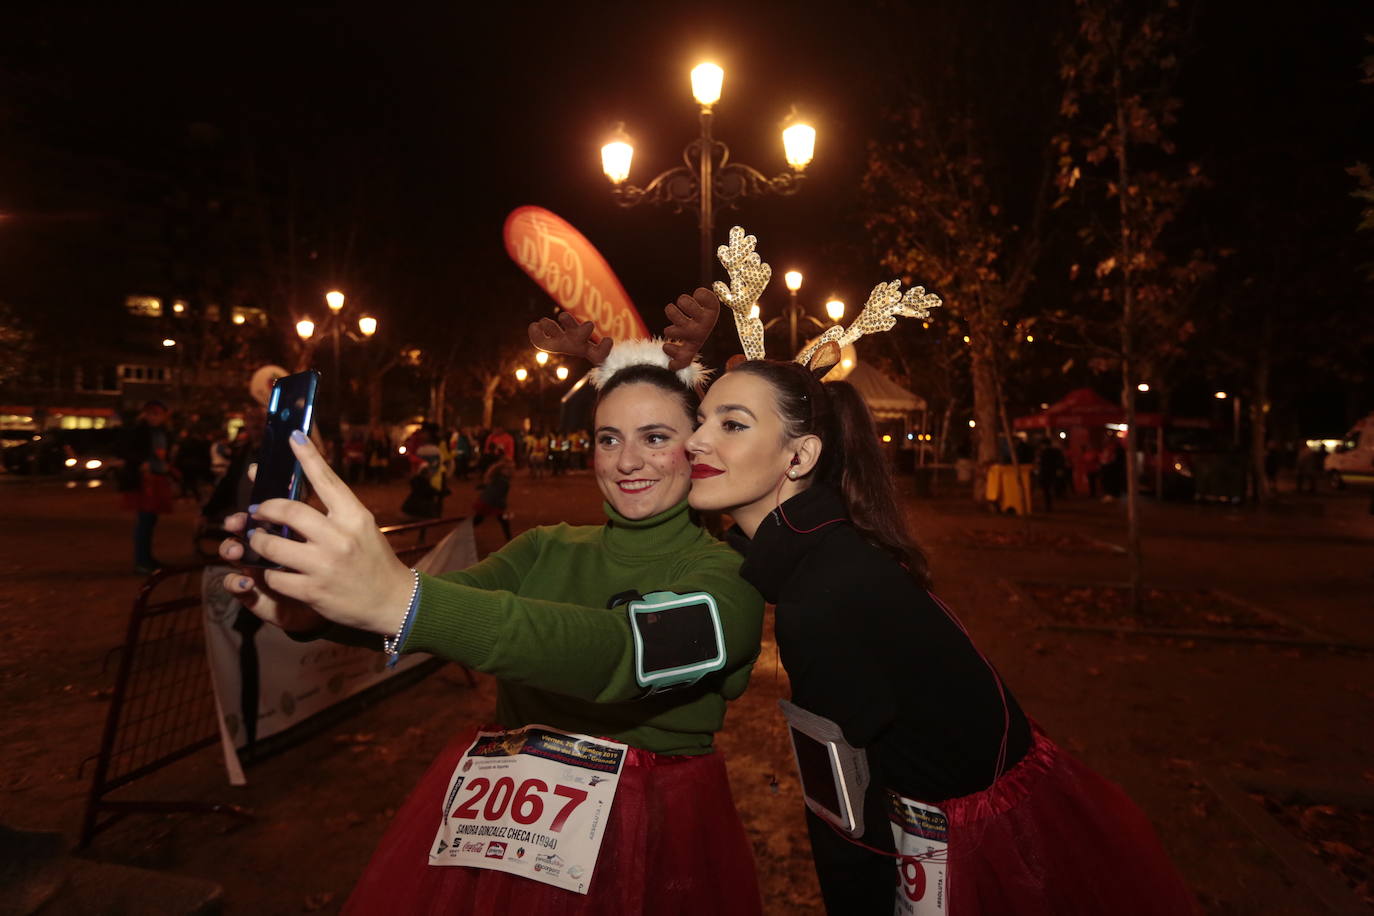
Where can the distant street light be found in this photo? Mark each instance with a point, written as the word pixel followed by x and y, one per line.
pixel 335 300
pixel 367 325
pixel 1143 386
pixel 835 309
pixel 168 342
pixel 541 370
pixel 794 312
pixel 305 328
pixel 707 178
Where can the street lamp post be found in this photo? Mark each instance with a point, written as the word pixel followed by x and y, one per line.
pixel 335 300
pixel 367 326
pixel 707 178
pixel 541 368
pixel 795 314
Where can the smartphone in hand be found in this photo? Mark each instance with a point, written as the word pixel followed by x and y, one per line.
pixel 291 408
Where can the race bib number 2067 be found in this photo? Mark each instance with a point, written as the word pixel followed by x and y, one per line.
pixel 533 802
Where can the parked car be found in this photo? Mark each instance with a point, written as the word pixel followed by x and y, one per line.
pixel 1353 460
pixel 76 454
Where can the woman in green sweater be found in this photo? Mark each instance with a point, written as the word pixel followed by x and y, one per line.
pixel 637 631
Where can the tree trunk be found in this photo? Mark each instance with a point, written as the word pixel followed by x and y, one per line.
pixel 1259 411
pixel 437 398
pixel 489 386
pixel 983 366
pixel 1128 356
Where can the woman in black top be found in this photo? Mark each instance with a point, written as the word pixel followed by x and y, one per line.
pixel 975 809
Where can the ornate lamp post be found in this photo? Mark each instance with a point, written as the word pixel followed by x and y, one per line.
pixel 707 178
pixel 794 313
pixel 541 369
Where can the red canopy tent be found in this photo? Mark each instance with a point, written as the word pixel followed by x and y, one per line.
pixel 1081 407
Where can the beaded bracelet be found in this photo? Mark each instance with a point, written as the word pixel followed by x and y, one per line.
pixel 391 645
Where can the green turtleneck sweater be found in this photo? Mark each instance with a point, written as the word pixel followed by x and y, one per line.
pixel 534 615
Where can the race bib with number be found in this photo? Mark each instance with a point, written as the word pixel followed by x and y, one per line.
pixel 534 802
pixel 921 835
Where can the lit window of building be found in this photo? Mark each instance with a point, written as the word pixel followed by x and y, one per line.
pixel 243 314
pixel 144 306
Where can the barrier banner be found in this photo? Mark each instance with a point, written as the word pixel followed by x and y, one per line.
pixel 254 665
pixel 572 271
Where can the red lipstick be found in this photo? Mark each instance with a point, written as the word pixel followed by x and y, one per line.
pixel 700 471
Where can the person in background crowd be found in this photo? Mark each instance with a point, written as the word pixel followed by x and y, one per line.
pixel 221 454
pixel 191 458
pixel 1049 467
pixel 580 443
pixel 378 454
pixel 354 457
pixel 538 454
pixel 493 496
pixel 145 479
pixel 1309 468
pixel 1113 472
pixel 462 454
pixel 1089 466
pixel 499 444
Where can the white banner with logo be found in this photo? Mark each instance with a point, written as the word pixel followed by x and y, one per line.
pixel 253 664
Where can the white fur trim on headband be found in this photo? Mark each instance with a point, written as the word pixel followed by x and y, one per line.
pixel 627 353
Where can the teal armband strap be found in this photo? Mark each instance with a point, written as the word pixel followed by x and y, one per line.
pixel 678 639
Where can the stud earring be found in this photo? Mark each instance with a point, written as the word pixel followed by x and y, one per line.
pixel 792 474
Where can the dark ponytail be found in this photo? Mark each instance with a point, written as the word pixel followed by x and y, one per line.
pixel 851 460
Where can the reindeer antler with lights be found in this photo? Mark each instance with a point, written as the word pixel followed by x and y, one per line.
pixel 885 305
pixel 748 278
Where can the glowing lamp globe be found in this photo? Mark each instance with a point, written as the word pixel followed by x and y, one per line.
pixel 707 79
pixel 799 145
pixel 616 157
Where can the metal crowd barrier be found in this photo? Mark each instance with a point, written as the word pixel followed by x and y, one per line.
pixel 163 705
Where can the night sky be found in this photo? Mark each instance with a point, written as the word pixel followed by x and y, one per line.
pixel 434 122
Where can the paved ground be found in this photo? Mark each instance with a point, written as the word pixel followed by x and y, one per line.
pixel 1158 716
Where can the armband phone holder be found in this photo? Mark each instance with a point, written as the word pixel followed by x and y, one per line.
pixel 834 774
pixel 678 638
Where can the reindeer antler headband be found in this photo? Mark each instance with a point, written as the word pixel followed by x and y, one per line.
pixel 691 319
pixel 749 275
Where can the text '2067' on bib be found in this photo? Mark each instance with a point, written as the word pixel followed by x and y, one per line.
pixel 534 802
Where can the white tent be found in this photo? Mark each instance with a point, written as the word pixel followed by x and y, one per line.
pixel 884 397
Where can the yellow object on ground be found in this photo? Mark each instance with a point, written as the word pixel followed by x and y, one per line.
pixel 1003 491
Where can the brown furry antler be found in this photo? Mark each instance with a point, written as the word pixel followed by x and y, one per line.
pixel 690 322
pixel 569 337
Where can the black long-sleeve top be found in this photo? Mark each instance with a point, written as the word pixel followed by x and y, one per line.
pixel 865 646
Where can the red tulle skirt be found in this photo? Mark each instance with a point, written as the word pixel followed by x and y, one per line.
pixel 1053 838
pixel 674 845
